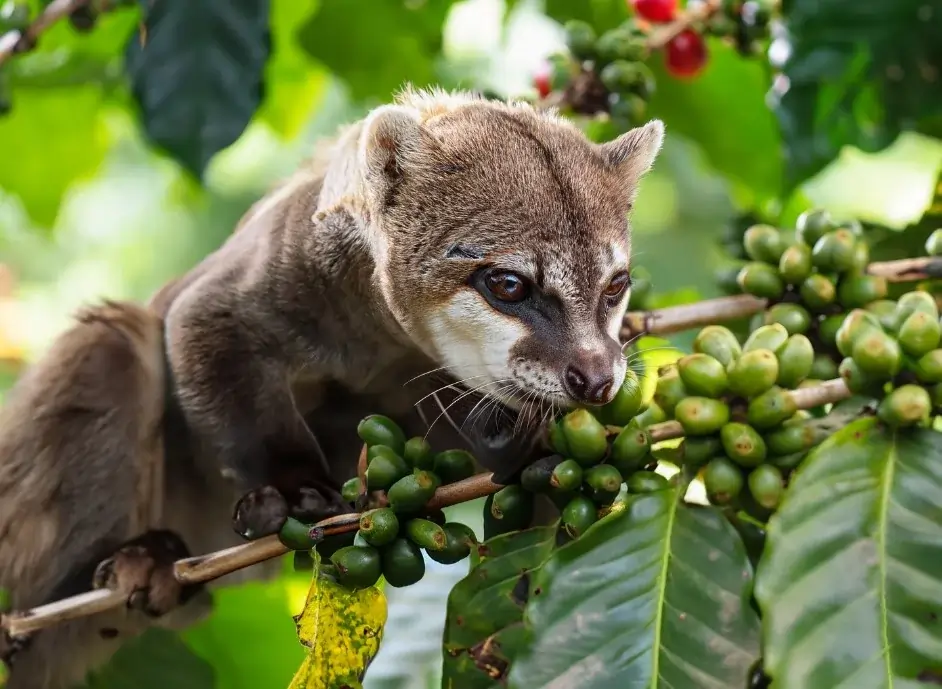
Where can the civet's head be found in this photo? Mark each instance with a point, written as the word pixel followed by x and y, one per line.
pixel 502 241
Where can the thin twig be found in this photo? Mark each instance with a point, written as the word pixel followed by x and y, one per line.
pixel 674 319
pixel 214 565
pixel 17 41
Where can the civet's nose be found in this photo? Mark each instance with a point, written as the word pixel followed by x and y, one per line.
pixel 590 381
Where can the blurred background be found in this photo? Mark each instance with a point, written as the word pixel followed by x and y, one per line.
pixel 92 204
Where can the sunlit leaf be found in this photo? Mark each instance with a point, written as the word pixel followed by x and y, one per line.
pixel 485 609
pixel 197 73
pixel 656 596
pixel 342 630
pixel 850 584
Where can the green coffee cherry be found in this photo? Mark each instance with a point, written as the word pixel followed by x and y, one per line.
pixel 627 401
pixel 418 453
pixel 911 302
pixel 795 319
pixel 812 225
pixel 935 393
pixel 877 354
pixel 578 515
pixel 861 257
pixel 858 382
pixel 817 292
pixel 934 243
pixel 295 535
pixel 652 415
pixel 770 408
pixel 743 444
pixel 536 477
pixel 856 324
pixel 603 483
pixel 788 462
pixel 669 391
pixel 557 438
pixel 702 375
pixel 630 449
pixel 585 437
pixel 331 544
pixel 701 415
pixel 753 373
pixel 509 509
pixel 919 334
pixel 566 476
pixel 722 481
pixel 764 243
pixel 760 280
pixel 697 451
pixel 452 466
pixel 718 342
pixel 766 337
pixel 789 439
pixel 385 467
pixel 350 490
pixel 795 264
pixel 580 39
pixel 885 312
pixel 823 368
pixel 622 76
pixel 928 368
pixel 426 534
pixel 412 492
pixel 358 567
pixel 381 430
pixel 402 563
pixel 856 291
pixel 459 540
pixel 907 405
pixel 795 361
pixel 619 44
pixel 828 327
pixel 379 527
pixel 834 252
pixel 645 482
pixel 767 485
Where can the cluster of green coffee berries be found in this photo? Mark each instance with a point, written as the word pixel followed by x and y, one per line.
pixel 601 456
pixel 742 426
pixel 390 540
pixel 892 348
pixel 743 23
pixel 608 69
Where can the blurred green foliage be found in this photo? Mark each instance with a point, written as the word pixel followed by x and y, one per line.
pixel 130 152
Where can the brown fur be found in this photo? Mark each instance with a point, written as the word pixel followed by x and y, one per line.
pixel 339 294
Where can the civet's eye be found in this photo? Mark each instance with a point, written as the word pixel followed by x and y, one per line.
pixel 507 286
pixel 617 286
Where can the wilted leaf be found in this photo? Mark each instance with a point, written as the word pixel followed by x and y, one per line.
pixel 197 73
pixel 859 72
pixel 342 629
pixel 392 42
pixel 656 596
pixel 850 584
pixel 482 629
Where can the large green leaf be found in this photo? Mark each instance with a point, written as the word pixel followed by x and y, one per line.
pixel 483 626
pixel 655 596
pixel 850 584
pixel 376 46
pixel 197 72
pixel 156 660
pixel 724 111
pixel 858 73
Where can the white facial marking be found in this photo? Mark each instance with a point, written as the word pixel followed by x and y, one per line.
pixel 474 342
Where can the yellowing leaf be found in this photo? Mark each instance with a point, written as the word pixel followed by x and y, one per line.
pixel 342 629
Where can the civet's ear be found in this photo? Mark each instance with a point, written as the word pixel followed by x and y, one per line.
pixel 392 141
pixel 633 153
